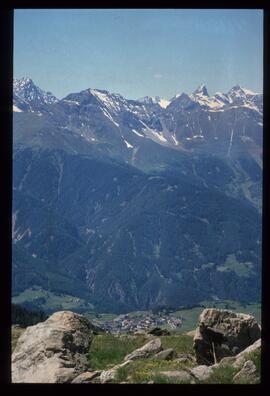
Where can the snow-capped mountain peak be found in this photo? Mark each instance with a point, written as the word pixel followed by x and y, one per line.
pixel 239 96
pixel 201 96
pixel 155 100
pixel 249 92
pixel 162 102
pixel 239 91
pixel 19 84
pixel 26 92
pixel 201 90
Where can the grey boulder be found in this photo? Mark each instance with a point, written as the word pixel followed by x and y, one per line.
pixel 111 374
pixel 146 350
pixel 167 354
pixel 53 351
pixel 222 333
pixel 177 375
pixel 86 377
pixel 202 373
pixel 185 358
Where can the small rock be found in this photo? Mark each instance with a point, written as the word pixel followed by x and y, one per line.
pixel 145 351
pixel 248 372
pixel 86 377
pixel 202 372
pixel 167 354
pixel 184 358
pixel 107 376
pixel 180 375
pixel 157 331
pixel 110 375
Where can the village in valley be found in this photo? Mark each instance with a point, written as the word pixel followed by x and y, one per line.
pixel 140 322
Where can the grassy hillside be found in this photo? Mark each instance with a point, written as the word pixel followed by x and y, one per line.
pixel 38 298
pixel 108 350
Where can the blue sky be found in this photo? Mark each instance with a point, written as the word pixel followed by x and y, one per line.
pixel 139 52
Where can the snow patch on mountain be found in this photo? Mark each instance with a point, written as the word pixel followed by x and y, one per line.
pixel 72 101
pixel 137 133
pixel 249 92
pixel 16 109
pixel 107 114
pixel 107 99
pixel 152 133
pixel 128 144
pixel 175 140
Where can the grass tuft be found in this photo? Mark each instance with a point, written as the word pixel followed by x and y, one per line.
pixel 256 358
pixel 181 343
pixel 16 332
pixel 222 375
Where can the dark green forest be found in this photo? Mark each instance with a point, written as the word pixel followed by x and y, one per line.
pixel 25 317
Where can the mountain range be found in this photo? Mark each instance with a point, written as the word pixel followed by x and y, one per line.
pixel 133 204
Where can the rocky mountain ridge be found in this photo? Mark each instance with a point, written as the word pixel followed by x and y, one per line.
pixel 136 204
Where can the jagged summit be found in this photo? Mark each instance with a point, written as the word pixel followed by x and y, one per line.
pixel 201 90
pixel 241 91
pixel 155 100
pixel 22 82
pixel 25 90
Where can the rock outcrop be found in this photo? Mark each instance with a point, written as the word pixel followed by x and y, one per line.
pixel 53 351
pixel 152 347
pixel 202 373
pixel 167 354
pixel 222 333
pixel 110 375
pixel 86 377
pixel 185 358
